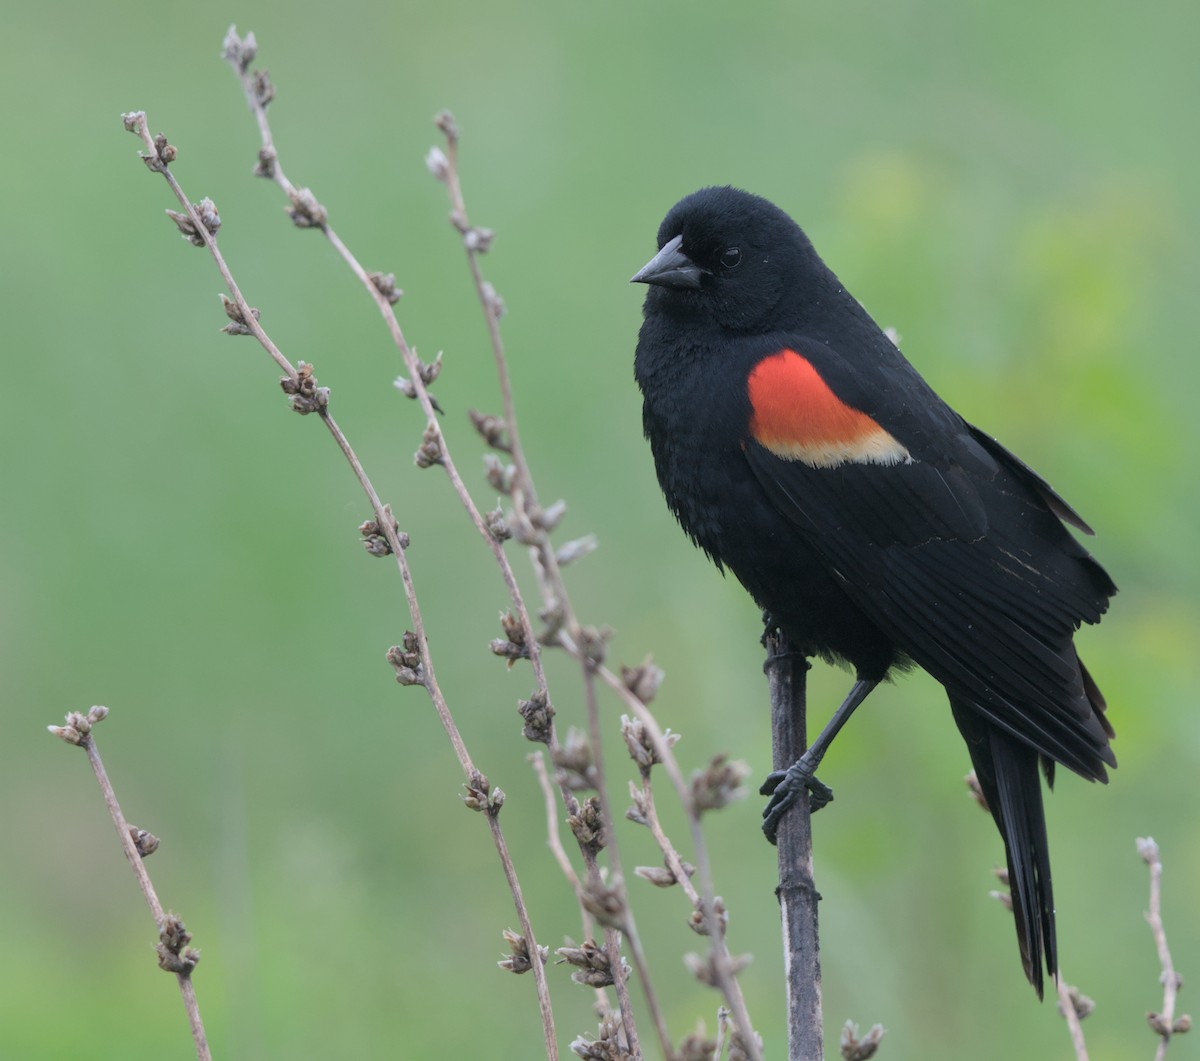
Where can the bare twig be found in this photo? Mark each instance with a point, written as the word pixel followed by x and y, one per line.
pixel 628 923
pixel 1164 1024
pixel 530 523
pixel 306 212
pixel 647 810
pixel 798 897
pixel 726 980
pixel 532 529
pixel 555 841
pixel 306 397
pixel 585 644
pixel 174 954
pixel 1074 1007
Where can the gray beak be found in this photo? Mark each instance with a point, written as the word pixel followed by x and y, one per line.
pixel 670 267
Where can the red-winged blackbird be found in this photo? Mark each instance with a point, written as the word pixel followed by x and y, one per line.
pixel 800 450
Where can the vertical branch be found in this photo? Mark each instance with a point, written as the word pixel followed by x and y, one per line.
pixel 797 894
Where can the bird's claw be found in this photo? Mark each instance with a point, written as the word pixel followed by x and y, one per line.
pixel 784 788
pixel 770 628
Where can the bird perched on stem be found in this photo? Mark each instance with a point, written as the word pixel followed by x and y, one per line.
pixel 875 526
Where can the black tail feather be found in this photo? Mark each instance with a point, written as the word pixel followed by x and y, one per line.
pixel 1008 776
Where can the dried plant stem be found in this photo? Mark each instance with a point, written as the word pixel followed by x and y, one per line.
pixel 786 669
pixel 127 844
pixel 413 366
pixel 386 524
pixel 387 528
pixel 574 637
pixel 670 855
pixel 78 732
pixel 411 362
pixel 555 840
pixel 433 428
pixel 1163 1023
pixel 628 922
pixel 726 979
pixel 578 642
pixel 1066 1006
pixel 527 514
pixel 487 299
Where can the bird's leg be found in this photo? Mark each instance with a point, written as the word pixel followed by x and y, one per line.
pixel 784 786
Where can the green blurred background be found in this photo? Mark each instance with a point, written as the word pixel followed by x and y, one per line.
pixel 1013 188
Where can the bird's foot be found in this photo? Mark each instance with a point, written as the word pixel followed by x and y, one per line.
pixel 770 628
pixel 784 787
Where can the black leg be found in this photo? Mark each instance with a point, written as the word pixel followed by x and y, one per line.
pixel 784 786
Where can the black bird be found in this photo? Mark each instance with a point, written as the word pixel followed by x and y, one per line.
pixel 875 526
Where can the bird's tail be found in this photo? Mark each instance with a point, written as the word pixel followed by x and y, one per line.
pixel 1008 776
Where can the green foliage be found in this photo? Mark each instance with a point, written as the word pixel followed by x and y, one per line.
pixel 1010 187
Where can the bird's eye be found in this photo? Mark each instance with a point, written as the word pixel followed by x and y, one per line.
pixel 730 257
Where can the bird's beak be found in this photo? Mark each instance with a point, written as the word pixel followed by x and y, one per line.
pixel 670 267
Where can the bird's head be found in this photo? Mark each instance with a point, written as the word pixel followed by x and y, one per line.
pixel 733 258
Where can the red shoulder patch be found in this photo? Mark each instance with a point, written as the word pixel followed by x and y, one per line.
pixel 796 415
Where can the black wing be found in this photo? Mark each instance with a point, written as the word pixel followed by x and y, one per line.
pixel 961 558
